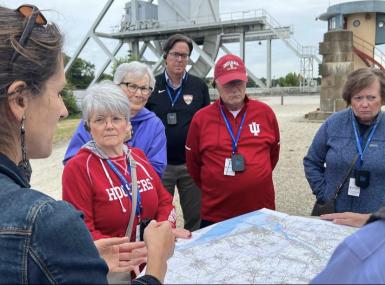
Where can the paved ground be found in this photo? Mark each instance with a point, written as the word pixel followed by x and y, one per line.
pixel 293 195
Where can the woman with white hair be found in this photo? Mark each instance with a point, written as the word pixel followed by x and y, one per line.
pixel 148 133
pixel 100 179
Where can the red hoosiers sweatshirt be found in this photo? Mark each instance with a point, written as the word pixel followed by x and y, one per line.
pixel 91 186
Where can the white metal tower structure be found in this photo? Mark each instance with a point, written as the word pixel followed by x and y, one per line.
pixel 145 25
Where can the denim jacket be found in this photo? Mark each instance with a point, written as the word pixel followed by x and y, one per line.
pixel 330 156
pixel 42 241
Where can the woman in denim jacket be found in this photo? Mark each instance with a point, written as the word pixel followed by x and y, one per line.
pixel 355 134
pixel 42 240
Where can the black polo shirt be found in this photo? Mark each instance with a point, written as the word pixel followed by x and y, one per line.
pixel 194 96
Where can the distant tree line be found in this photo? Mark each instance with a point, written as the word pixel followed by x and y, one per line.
pixel 82 73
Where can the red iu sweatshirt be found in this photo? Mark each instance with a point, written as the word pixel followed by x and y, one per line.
pixel 93 188
pixel 209 144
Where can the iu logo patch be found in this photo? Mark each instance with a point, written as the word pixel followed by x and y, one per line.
pixel 187 98
pixel 254 128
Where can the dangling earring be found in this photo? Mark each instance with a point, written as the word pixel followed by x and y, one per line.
pixel 24 164
pixel 24 160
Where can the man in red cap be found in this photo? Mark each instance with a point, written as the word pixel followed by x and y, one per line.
pixel 232 148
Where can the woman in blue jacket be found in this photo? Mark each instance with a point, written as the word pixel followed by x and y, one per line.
pixel 356 132
pixel 42 240
pixel 148 133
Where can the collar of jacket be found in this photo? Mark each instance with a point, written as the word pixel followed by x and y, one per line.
pixel 168 80
pixel 10 169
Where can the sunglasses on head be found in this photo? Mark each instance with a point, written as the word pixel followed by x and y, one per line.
pixel 35 18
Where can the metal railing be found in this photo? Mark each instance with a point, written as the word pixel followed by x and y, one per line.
pixel 292 43
pixel 369 49
pixel 236 16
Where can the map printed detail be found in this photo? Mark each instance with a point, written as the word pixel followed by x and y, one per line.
pixel 259 247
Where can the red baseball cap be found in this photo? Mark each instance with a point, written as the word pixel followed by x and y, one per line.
pixel 228 68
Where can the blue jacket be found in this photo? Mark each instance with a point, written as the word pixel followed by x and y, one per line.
pixel 148 135
pixel 330 156
pixel 359 259
pixel 42 240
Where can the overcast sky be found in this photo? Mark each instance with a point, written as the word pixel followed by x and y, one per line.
pixel 75 18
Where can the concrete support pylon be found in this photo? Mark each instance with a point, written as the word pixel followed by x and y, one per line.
pixel 337 63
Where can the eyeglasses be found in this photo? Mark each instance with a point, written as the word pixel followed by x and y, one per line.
pixel 133 87
pixel 102 121
pixel 177 55
pixel 35 17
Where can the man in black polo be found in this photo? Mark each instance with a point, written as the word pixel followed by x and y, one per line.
pixel 177 96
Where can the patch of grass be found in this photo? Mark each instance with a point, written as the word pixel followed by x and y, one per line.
pixel 65 129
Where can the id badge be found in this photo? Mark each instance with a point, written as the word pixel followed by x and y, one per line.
pixel 362 178
pixel 228 170
pixel 353 190
pixel 238 162
pixel 171 119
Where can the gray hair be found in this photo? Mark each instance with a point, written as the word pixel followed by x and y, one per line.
pixel 136 69
pixel 105 97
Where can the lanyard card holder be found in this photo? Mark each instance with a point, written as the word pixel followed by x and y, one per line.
pixel 172 119
pixel 362 178
pixel 238 162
